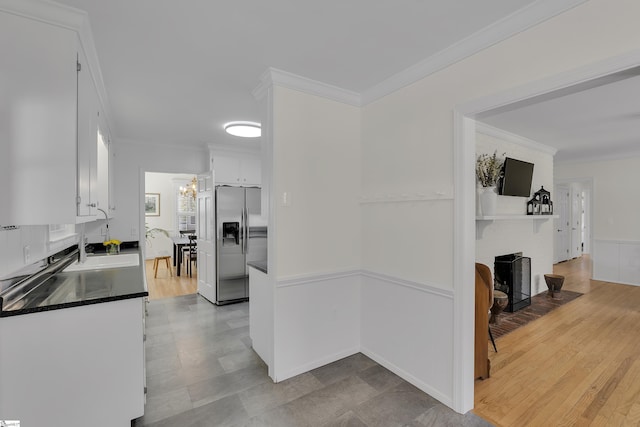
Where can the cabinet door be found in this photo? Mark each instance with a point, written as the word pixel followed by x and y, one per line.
pixel 250 171
pixel 37 122
pixel 102 148
pixel 87 140
pixel 112 177
pixel 237 171
pixel 227 170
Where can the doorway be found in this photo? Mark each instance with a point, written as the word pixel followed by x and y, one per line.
pixel 573 227
pixel 464 203
pixel 169 217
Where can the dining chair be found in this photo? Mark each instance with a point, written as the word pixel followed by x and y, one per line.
pixel 191 253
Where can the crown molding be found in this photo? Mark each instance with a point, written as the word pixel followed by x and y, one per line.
pixel 46 11
pixel 273 76
pixel 515 23
pixel 513 138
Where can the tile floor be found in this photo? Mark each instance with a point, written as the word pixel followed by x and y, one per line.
pixel 201 371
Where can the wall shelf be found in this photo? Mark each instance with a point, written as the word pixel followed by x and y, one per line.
pixel 483 221
pixel 507 216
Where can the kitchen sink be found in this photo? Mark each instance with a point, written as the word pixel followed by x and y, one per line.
pixel 99 262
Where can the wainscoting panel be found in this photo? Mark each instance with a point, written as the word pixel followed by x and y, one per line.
pixel 317 321
pixel 617 261
pixel 408 328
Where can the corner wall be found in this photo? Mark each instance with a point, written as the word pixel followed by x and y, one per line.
pixel 316 163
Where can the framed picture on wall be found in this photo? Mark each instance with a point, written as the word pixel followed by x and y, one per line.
pixel 152 204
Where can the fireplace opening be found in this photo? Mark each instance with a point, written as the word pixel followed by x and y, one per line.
pixel 512 275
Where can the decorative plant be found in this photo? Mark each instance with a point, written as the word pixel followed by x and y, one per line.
pixel 488 169
pixel 151 232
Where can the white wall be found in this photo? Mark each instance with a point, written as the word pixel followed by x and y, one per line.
pixel 534 238
pixel 615 203
pixel 408 139
pixel 12 243
pixel 317 163
pixel 615 195
pixel 131 161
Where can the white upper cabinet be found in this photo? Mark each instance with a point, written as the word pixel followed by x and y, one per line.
pixel 37 122
pixel 240 171
pixel 49 115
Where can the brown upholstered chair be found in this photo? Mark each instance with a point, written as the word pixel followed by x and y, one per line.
pixel 484 301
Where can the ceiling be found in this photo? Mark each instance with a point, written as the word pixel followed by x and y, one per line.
pixel 597 119
pixel 175 72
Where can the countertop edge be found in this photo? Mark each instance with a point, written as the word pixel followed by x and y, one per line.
pixel 259 265
pixel 72 304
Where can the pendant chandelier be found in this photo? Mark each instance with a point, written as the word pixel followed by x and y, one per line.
pixel 189 190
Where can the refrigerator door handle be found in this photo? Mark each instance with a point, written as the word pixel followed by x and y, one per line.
pixel 246 230
pixel 241 231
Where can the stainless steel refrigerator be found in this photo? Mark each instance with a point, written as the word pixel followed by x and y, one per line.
pixel 241 235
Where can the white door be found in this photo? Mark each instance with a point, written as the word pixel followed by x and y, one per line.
pixel 206 232
pixel 576 222
pixel 562 224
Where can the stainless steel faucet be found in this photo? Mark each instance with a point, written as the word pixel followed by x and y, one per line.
pixel 106 217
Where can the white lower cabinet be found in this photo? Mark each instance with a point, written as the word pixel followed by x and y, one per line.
pixel 79 366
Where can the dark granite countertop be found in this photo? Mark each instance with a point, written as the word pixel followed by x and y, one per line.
pixel 259 265
pixel 76 288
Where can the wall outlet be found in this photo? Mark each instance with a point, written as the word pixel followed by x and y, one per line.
pixel 26 252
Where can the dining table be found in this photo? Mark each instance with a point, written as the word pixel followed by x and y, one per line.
pixel 179 242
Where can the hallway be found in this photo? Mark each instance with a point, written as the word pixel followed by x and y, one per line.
pixel 578 365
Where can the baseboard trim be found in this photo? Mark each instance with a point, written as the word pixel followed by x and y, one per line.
pixel 436 394
pixel 614 281
pixel 315 364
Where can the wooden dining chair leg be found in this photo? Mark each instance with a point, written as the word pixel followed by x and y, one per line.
pixel 169 267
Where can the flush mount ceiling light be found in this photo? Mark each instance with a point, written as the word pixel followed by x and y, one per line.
pixel 243 129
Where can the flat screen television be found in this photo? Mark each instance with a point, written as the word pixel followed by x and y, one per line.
pixel 516 178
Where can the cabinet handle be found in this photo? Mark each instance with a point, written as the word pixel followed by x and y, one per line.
pixel 91 205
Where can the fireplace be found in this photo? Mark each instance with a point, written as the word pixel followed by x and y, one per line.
pixel 513 277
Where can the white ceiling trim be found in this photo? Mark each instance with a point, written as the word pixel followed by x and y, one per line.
pixel 495 132
pixel 503 29
pixel 273 76
pixel 46 11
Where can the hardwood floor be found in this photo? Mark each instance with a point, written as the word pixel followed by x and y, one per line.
pixel 578 365
pixel 166 286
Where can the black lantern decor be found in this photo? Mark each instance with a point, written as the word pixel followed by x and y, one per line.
pixel 540 204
